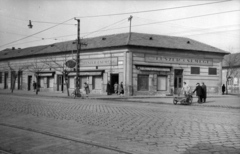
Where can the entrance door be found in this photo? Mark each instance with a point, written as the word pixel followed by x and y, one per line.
pixel 114 79
pixel 59 83
pixel 5 80
pixel 178 76
pixel 29 82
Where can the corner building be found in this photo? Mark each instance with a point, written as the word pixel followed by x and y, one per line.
pixel 147 64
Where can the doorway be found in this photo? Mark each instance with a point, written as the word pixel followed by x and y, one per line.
pixel 6 80
pixel 59 82
pixel 178 77
pixel 29 82
pixel 114 78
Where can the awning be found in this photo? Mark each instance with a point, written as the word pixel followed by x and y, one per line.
pixel 50 73
pixel 85 73
pixel 143 68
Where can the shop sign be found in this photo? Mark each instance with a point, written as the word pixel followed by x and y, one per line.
pixel 99 62
pixel 153 69
pixel 178 60
pixel 70 63
pixel 85 73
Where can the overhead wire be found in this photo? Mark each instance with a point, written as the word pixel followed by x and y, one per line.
pixel 145 11
pixel 35 33
pixel 104 29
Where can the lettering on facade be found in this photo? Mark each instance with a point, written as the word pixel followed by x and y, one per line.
pixel 178 60
pixel 100 62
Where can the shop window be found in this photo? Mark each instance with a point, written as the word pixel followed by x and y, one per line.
pixel 162 83
pixel 0 77
pixel 143 82
pixel 82 80
pixel 71 82
pixel 195 70
pixel 97 82
pixel 50 81
pixel 41 82
pixel 212 71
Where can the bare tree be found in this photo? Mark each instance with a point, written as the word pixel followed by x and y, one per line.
pixel 58 63
pixel 37 67
pixel 230 64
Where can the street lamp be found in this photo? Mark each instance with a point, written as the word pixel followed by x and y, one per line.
pixel 30 24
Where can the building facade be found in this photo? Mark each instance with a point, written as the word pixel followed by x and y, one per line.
pixel 231 73
pixel 146 64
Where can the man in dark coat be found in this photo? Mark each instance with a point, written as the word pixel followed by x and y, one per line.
pixel 204 92
pixel 34 85
pixel 198 90
pixel 108 90
pixel 223 89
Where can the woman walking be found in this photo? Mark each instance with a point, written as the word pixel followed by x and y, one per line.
pixel 86 87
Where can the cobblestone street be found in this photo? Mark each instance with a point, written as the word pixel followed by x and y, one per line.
pixel 33 124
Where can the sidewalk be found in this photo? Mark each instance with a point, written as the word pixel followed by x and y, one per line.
pixel 228 101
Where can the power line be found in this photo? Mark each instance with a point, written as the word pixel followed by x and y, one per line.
pixel 116 14
pixel 35 33
pixel 159 22
pixel 105 27
pixel 133 25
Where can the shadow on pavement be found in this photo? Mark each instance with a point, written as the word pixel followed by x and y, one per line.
pixel 211 148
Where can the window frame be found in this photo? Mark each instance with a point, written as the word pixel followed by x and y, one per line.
pixel 213 70
pixel 193 71
pixel 138 86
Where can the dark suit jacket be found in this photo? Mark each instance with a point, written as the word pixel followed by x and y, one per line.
pixel 198 90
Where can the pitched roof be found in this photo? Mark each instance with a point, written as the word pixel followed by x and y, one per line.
pixel 232 59
pixel 117 40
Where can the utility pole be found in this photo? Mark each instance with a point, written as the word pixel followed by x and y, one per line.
pixel 130 19
pixel 77 93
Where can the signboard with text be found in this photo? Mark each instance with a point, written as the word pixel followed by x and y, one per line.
pixel 99 62
pixel 178 60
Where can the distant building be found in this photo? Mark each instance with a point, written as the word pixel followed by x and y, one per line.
pixel 147 64
pixel 231 70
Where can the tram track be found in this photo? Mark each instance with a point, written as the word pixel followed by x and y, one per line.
pixel 89 143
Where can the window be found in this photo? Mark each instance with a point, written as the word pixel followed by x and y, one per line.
pixel 162 83
pixel 142 82
pixel 212 71
pixel 195 70
pixel 0 77
pixel 41 82
pixel 82 80
pixel 50 82
pixel 97 82
pixel 71 82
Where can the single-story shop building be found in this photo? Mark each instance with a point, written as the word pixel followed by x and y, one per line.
pixel 147 64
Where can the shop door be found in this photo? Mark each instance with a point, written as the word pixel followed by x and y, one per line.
pixel 114 79
pixel 6 80
pixel 29 82
pixel 59 83
pixel 178 76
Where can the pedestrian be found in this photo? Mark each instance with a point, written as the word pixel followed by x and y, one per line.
pixel 186 89
pixel 108 90
pixel 223 89
pixel 121 89
pixel 198 90
pixel 116 88
pixel 86 88
pixel 204 94
pixel 34 86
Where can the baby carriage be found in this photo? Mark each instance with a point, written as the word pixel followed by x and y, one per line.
pixel 184 100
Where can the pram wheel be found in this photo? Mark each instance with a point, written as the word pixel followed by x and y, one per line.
pixel 175 101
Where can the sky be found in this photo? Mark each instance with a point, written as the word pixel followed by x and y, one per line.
pixel 212 22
